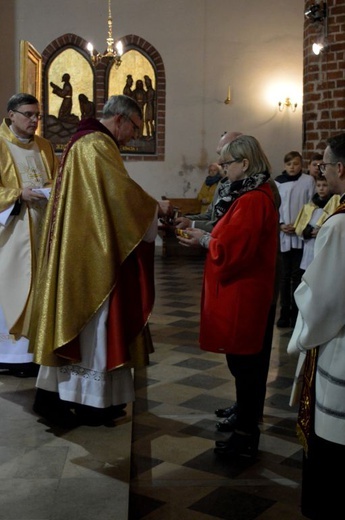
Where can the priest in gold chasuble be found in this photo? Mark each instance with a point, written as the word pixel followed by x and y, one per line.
pixel 96 287
pixel 27 167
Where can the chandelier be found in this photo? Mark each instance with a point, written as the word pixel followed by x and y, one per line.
pixel 114 50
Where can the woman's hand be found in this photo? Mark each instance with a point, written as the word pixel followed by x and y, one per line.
pixel 182 222
pixel 189 237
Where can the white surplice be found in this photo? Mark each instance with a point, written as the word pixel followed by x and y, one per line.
pixel 321 322
pixel 19 241
pixel 89 382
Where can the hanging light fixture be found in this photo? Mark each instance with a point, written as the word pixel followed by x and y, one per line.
pixel 114 50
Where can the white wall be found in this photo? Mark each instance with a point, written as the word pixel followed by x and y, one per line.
pixel 205 45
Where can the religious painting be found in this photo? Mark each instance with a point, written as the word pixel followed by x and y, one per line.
pixel 30 71
pixel 136 78
pixel 75 88
pixel 69 96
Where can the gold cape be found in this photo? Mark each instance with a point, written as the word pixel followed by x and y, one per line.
pixel 17 256
pixel 97 215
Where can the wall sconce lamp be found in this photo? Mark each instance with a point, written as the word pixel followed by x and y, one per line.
pixel 287 104
pixel 318 47
pixel 228 97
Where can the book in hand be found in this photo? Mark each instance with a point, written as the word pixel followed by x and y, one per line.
pixel 5 216
pixel 44 191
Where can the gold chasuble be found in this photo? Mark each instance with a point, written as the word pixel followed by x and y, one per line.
pixel 31 164
pixel 92 250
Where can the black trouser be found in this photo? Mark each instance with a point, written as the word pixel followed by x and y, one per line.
pixel 264 360
pixel 290 278
pixel 246 372
pixel 250 373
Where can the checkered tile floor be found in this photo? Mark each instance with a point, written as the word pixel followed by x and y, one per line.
pixel 168 439
pixel 174 472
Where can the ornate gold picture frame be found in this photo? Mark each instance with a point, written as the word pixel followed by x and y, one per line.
pixel 30 69
pixel 30 80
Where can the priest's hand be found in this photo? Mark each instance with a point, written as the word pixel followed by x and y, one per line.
pixel 165 208
pixel 29 195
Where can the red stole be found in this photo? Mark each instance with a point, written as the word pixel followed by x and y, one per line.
pixel 128 316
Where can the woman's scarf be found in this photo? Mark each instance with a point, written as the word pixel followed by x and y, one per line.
pixel 230 191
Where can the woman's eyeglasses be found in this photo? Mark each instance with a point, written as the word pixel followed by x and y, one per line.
pixel 226 164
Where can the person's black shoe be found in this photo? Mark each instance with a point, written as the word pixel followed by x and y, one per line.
pixel 240 444
pixel 53 410
pixel 24 370
pixel 228 425
pixel 226 412
pixel 91 416
pixel 62 418
pixel 118 410
pixel 221 444
pixel 283 323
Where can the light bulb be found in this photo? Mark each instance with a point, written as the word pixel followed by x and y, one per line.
pixel 317 48
pixel 119 47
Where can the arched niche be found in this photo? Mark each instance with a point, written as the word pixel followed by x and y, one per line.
pixel 67 55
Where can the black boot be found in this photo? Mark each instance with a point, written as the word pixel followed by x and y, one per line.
pixel 226 412
pixel 228 425
pixel 239 444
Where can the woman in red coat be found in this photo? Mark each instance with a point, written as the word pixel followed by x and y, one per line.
pixel 239 280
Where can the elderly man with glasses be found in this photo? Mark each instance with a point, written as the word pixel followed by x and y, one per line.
pixel 95 276
pixel 207 219
pixel 27 167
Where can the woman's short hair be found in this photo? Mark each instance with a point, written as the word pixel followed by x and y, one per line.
pixel 248 147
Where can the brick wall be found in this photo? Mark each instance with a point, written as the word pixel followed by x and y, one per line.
pixel 324 78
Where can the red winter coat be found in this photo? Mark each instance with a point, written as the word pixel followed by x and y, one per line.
pixel 239 275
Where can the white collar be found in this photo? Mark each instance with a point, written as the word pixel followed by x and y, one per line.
pixel 23 140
